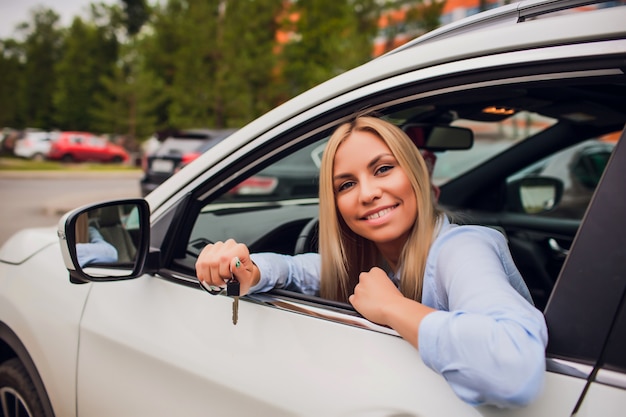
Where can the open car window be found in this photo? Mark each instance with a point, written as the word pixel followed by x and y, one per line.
pixel 266 203
pixel 266 210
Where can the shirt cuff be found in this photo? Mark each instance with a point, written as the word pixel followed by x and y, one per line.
pixel 427 340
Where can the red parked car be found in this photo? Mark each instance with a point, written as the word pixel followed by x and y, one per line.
pixel 84 146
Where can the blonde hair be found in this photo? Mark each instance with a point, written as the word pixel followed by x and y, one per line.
pixel 345 254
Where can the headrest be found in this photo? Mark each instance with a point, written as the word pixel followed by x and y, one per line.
pixel 109 216
pixel 416 134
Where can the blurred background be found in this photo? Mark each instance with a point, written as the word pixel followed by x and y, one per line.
pixel 102 86
pixel 129 70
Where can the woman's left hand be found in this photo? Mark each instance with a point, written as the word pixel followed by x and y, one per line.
pixel 374 294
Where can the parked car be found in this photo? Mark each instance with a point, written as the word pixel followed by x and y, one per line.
pixel 141 338
pixel 86 147
pixel 175 152
pixel 34 145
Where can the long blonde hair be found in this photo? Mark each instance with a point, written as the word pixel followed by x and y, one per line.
pixel 345 254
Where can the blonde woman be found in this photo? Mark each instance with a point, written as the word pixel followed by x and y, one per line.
pixel 451 291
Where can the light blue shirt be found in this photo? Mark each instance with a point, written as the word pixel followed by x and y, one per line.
pixel 486 339
pixel 97 250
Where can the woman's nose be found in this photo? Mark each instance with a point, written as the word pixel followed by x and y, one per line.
pixel 369 191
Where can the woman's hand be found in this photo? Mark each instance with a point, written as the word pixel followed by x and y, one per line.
pixel 374 294
pixel 217 260
pixel 377 299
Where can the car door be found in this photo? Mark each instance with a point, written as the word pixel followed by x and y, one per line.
pixel 79 146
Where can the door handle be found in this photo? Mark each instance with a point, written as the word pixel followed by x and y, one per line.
pixel 558 249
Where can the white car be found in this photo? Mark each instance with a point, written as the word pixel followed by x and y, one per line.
pixel 139 337
pixel 35 145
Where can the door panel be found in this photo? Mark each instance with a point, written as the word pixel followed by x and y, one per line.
pixel 154 347
pixel 603 400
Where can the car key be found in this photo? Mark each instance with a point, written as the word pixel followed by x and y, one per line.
pixel 232 290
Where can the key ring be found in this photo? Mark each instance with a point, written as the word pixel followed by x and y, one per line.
pixel 211 289
pixel 214 290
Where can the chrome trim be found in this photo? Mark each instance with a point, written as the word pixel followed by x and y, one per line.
pixel 320 312
pixel 611 378
pixel 569 368
pixel 329 313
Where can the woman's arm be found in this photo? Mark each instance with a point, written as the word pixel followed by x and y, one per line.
pixel 487 340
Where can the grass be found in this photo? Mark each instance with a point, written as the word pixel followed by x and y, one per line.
pixel 18 164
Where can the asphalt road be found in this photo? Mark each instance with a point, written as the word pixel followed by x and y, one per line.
pixel 39 199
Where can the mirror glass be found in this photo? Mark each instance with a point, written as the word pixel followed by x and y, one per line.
pixel 108 237
pixel 537 197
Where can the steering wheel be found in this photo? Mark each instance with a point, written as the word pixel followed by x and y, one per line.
pixel 308 238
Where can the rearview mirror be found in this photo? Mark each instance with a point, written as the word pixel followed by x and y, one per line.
pixel 439 137
pixel 106 241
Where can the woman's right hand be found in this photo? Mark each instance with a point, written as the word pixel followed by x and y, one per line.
pixel 218 260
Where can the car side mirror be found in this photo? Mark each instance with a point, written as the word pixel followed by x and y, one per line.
pixel 534 195
pixel 106 241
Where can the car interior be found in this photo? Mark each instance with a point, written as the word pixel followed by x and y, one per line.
pixel 514 125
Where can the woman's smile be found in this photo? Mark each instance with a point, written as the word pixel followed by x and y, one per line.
pixel 377 214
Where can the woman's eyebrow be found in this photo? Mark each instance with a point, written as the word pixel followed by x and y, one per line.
pixel 375 160
pixel 341 177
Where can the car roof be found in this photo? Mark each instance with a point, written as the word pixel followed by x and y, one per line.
pixel 508 14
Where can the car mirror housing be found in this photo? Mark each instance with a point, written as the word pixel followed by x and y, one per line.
pixel 534 195
pixel 106 241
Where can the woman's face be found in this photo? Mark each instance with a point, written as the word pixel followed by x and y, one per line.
pixel 373 193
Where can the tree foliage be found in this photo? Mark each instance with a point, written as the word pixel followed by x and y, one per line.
pixel 42 50
pixel 132 68
pixel 330 37
pixel 88 54
pixel 11 68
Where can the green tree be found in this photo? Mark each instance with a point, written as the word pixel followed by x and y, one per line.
pixel 245 84
pixel 331 36
pixel 11 68
pixel 192 91
pixel 42 49
pixel 136 13
pixel 129 93
pixel 220 73
pixel 159 50
pixel 127 104
pixel 89 53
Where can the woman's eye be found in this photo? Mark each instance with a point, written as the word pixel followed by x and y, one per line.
pixel 344 186
pixel 383 169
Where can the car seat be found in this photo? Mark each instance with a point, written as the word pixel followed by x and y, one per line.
pixel 112 230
